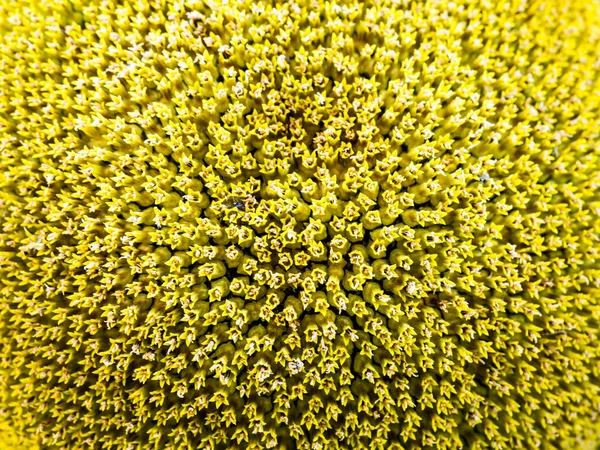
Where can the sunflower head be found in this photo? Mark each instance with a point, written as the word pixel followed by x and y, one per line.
pixel 300 224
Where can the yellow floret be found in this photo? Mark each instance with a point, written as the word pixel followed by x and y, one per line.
pixel 299 224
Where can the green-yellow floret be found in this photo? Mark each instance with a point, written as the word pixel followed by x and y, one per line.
pixel 345 224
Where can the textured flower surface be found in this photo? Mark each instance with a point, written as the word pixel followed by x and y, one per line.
pixel 299 224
